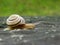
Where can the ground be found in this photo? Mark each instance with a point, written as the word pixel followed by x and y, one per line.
pixel 46 33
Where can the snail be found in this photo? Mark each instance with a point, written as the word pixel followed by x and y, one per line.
pixel 15 21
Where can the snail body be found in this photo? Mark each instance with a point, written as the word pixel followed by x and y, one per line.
pixel 17 22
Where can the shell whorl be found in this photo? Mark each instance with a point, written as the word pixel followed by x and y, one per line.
pixel 14 20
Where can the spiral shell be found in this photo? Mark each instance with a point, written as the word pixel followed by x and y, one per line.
pixel 15 20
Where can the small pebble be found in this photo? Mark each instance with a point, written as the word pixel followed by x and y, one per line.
pixel 46 32
pixel 15 36
pixel 52 36
pixel 25 41
pixel 1 39
pixel 54 30
pixel 21 36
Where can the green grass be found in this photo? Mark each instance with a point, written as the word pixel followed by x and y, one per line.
pixel 30 7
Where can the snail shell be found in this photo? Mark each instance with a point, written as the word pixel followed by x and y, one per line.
pixel 15 20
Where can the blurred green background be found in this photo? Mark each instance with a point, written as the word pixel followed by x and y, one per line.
pixel 30 7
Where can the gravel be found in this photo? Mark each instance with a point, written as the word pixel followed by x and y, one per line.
pixel 46 33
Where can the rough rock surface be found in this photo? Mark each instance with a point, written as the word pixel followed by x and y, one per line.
pixel 46 33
